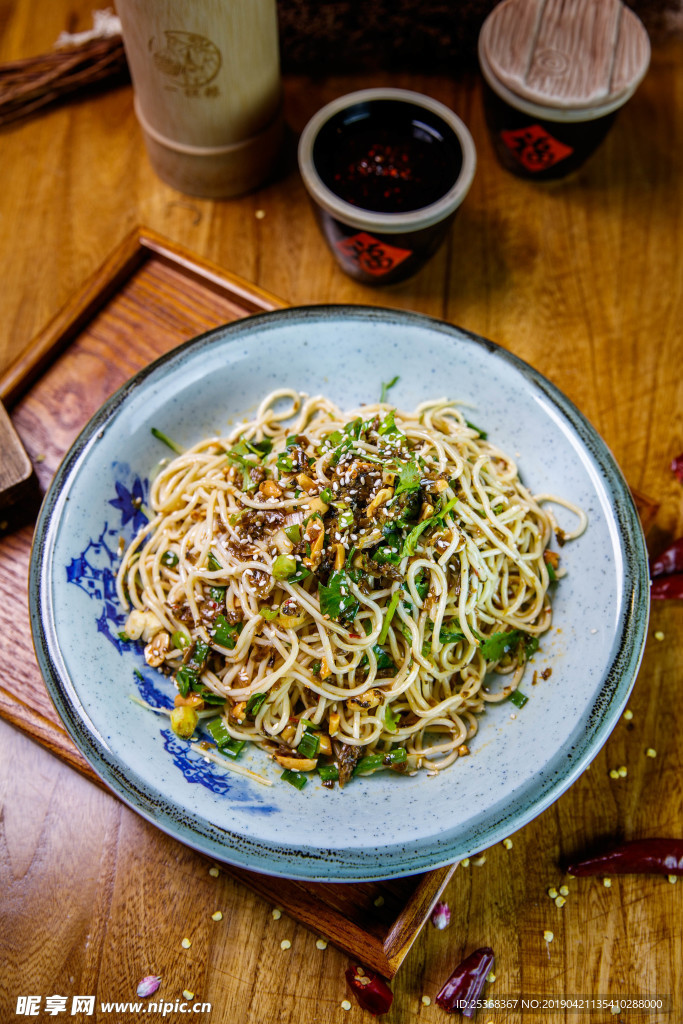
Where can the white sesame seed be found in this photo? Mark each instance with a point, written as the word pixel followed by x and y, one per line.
pixel 593 630
pixel 285 944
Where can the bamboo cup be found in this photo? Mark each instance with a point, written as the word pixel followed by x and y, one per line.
pixel 206 75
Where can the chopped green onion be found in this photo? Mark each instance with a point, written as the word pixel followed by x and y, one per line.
pixel 284 566
pixel 284 463
pixel 213 563
pixel 328 772
pixel 397 756
pixel 309 745
pixel 293 533
pixel 326 495
pixel 552 575
pixel 225 633
pixel 186 678
pixel 123 637
pixel 180 640
pixel 254 703
pixel 218 730
pixel 369 764
pixel 291 440
pixel 167 440
pixel 518 699
pixel 296 779
pixel 391 718
pixel 393 604
pixel 169 558
pixel 270 613
pixel 345 519
pixel 309 724
pixel 234 748
pixel 482 433
pixel 315 667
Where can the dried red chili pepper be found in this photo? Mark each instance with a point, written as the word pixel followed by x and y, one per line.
pixel 638 857
pixel 669 561
pixel 371 991
pixel 464 986
pixel 667 587
pixel 677 466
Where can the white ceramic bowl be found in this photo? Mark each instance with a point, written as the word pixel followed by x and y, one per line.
pixel 384 825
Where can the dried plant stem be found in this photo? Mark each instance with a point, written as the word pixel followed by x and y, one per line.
pixel 32 83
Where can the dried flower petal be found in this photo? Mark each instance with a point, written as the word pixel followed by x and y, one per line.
pixel 148 986
pixel 441 916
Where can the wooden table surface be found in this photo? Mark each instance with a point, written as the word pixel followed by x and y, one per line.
pixel 582 278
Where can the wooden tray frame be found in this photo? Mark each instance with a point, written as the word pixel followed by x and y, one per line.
pixel 380 940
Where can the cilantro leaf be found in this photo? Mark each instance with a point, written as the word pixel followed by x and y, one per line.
pixel 336 599
pixel 409 477
pixel 387 387
pixel 410 543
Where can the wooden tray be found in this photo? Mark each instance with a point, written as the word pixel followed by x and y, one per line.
pixel 149 296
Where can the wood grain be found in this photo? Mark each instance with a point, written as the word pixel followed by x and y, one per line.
pixel 15 465
pixel 583 279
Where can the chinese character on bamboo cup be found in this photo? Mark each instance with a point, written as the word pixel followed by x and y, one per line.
pixel 207 90
pixel 555 75
pixel 386 170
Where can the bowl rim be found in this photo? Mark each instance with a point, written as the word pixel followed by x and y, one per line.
pixel 388 223
pixel 324 864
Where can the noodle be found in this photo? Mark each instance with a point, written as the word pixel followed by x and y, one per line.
pixel 335 588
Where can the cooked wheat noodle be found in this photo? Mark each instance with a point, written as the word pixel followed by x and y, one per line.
pixel 226 515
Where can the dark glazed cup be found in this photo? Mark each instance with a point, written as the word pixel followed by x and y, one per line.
pixel 381 246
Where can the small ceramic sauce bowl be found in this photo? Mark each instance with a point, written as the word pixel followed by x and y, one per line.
pixel 386 170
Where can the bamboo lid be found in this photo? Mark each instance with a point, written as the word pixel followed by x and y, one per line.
pixel 581 55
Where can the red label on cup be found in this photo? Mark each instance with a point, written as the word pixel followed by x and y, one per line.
pixel 535 149
pixel 371 255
